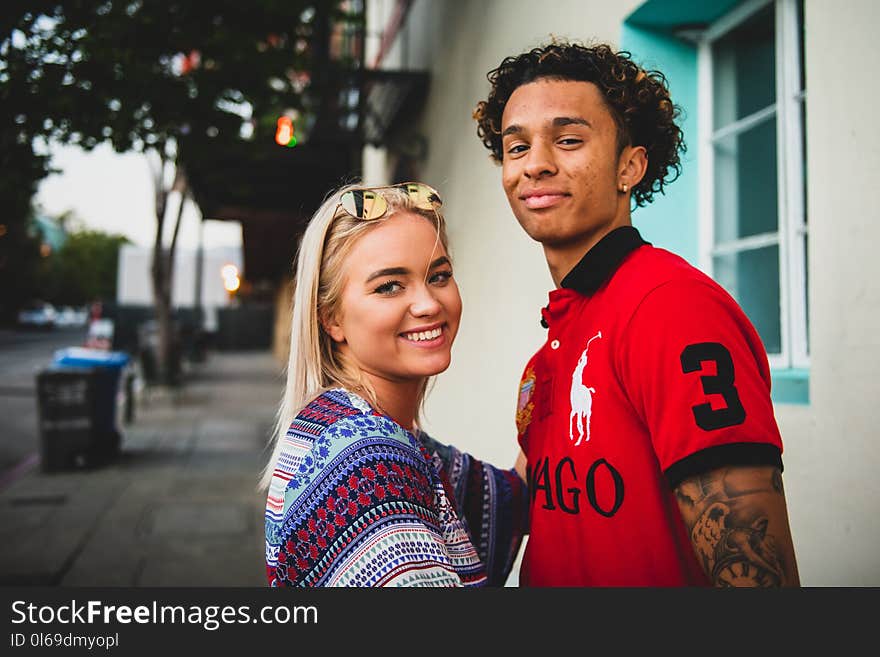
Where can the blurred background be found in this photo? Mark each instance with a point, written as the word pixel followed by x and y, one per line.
pixel 159 161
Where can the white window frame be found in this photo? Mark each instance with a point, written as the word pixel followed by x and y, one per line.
pixel 792 229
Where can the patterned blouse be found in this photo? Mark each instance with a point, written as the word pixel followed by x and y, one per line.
pixel 357 500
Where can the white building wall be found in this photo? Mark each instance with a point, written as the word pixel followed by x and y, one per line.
pixel 832 446
pixel 134 284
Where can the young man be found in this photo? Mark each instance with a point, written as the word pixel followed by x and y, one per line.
pixel 653 454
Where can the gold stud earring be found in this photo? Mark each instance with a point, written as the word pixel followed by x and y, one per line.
pixel 624 187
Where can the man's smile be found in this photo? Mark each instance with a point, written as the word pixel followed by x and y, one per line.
pixel 539 199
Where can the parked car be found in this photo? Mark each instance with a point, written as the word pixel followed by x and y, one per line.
pixel 39 315
pixel 71 317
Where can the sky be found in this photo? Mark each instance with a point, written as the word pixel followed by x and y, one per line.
pixel 113 192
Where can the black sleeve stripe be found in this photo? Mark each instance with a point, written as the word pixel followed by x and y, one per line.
pixel 723 455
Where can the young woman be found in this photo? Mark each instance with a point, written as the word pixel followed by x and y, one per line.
pixel 358 494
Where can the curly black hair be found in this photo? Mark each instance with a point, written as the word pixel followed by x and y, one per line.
pixel 638 101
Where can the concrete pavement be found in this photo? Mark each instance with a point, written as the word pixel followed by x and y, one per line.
pixel 179 507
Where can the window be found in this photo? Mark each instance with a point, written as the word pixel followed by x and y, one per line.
pixel 753 217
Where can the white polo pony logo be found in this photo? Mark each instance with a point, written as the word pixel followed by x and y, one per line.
pixel 581 397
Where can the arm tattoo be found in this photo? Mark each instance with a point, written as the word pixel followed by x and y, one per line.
pixel 726 514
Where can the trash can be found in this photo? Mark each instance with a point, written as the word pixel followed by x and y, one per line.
pixel 78 396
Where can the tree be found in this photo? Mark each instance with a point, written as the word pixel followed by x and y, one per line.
pixel 21 169
pixel 156 77
pixel 84 269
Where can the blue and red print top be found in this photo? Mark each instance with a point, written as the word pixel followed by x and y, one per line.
pixel 651 373
pixel 356 500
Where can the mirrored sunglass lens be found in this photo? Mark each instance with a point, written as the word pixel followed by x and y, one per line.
pixel 363 204
pixel 423 196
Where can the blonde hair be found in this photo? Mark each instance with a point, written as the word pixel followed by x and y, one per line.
pixel 315 363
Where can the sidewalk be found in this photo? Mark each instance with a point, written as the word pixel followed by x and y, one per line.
pixel 178 508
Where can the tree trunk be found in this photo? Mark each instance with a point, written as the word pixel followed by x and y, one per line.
pixel 168 349
pixel 165 359
pixel 159 271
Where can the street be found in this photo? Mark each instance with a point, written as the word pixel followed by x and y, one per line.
pixel 178 506
pixel 22 355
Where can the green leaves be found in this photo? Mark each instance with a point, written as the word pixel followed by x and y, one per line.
pixel 138 74
pixel 83 269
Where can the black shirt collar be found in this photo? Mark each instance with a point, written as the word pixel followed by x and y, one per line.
pixel 600 262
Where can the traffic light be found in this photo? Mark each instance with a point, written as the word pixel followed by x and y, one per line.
pixel 284 132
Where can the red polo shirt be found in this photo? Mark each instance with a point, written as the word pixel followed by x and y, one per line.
pixel 651 373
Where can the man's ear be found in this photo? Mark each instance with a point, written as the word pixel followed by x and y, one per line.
pixel 632 166
pixel 333 328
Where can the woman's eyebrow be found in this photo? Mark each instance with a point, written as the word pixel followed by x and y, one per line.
pixel 403 271
pixel 388 271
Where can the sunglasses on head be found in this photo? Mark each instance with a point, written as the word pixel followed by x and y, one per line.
pixel 368 203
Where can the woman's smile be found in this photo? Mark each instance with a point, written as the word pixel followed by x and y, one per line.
pixel 426 337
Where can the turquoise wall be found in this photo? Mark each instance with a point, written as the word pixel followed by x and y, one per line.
pixel 671 220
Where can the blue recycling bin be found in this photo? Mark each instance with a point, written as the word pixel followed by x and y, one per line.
pixel 86 357
pixel 113 363
pixel 77 397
